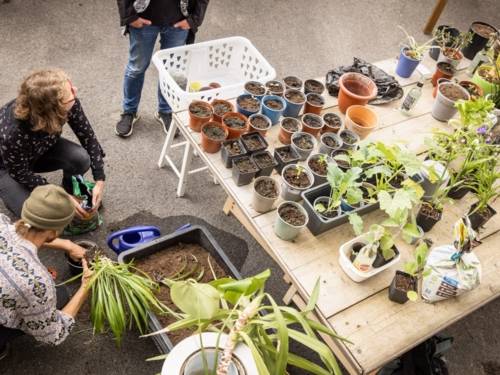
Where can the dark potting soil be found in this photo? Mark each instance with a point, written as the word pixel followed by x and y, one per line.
pixel 446 68
pixel 293 82
pixel 166 263
pixel 214 132
pixel 285 154
pixel 295 97
pixel 429 211
pixel 348 138
pixel 275 87
pixel 245 165
pixel 249 103
pixel 220 109
pixel 318 166
pixel 266 188
pixel 233 148
pixel 274 104
pixel 471 88
pixel 303 142
pixel 292 215
pixel 255 89
pixel 452 92
pixel 290 124
pixel 296 178
pixel 315 99
pixel 403 283
pixel 313 86
pixel 312 121
pixel 259 122
pixel 263 160
pixel 253 142
pixel 332 120
pixel 330 141
pixel 397 181
pixel 235 122
pixel 483 30
pixel 199 110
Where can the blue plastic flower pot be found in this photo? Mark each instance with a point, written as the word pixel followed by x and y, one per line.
pixel 293 109
pixel 406 65
pixel 245 111
pixel 345 207
pixel 273 114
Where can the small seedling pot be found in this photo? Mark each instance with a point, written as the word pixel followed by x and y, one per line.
pixel 229 107
pixel 227 157
pixel 292 82
pixel 303 152
pixel 318 178
pixel 282 163
pixel 261 130
pixel 424 220
pixel 478 219
pixel 247 138
pixel 479 39
pixel 264 170
pixel 210 145
pixel 275 87
pixel 311 123
pixel 325 148
pixel 398 293
pixel 290 192
pixel 314 103
pixel 285 230
pixel 245 111
pixel 332 122
pixel 313 86
pixel 196 121
pixel 262 203
pixel 347 136
pixel 361 120
pixel 273 114
pixel 293 108
pixel 285 135
pixel 355 88
pixel 443 70
pixel 255 88
pixel 243 177
pixel 458 192
pixel 232 131
pixel 406 65
pixel 443 108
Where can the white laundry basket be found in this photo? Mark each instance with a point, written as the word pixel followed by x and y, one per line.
pixel 229 62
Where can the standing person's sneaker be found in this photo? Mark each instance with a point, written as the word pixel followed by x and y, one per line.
pixel 165 119
pixel 4 352
pixel 125 126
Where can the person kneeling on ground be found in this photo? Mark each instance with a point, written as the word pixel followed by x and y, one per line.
pixel 29 299
pixel 31 142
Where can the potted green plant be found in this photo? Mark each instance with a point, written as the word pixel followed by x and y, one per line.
pixel 451 46
pixel 295 179
pixel 411 54
pixel 318 165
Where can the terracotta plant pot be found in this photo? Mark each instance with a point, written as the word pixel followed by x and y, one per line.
pixel 232 121
pixel 355 88
pixel 443 70
pixel 475 91
pixel 332 122
pixel 311 123
pixel 434 52
pixel 212 136
pixel 288 126
pixel 439 81
pixel 221 107
pixel 200 112
pixel 361 120
pixel 314 103
pixel 451 56
pixel 259 123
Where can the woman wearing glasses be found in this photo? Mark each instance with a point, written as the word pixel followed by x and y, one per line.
pixel 31 141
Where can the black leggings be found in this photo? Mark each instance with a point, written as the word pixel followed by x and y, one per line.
pixel 65 155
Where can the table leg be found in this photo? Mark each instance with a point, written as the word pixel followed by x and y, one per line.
pixel 168 143
pixel 436 13
pixel 186 162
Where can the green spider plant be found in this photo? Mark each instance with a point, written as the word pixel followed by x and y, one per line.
pixel 413 49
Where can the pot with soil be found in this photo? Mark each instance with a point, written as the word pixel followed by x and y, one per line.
pixel 265 162
pixel 284 155
pixel 275 87
pixel 481 33
pixel 439 81
pixel 235 123
pixel 212 136
pixel 454 32
pixel 295 180
pixel 314 103
pixel 475 91
pixel 428 216
pixel 332 122
pixel 231 149
pixel 221 107
pixel 290 219
pixel 255 88
pixel 443 70
pixel 311 123
pixel 259 123
pixel 265 193
pixel 406 63
pixel 318 165
pixel 401 284
pixel 343 164
pixel 349 139
pixel 480 217
pixel 458 192
pixel 486 77
pixel 75 266
pixel 452 56
pixel 200 112
pixel 329 142
pixel 273 107
pixel 313 85
pixel 303 144
pixel 244 170
pixel 292 82
pixel 254 142
pixel 448 94
pixel 247 104
pixel 355 88
pixel 295 100
pixel 360 119
pixel 288 126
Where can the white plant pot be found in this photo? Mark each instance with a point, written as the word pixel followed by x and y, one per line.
pixel 186 357
pixel 351 271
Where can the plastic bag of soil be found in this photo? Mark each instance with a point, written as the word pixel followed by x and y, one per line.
pixel 82 190
pixel 388 87
pixel 452 269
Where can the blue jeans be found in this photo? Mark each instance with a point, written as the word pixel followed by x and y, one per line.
pixel 142 43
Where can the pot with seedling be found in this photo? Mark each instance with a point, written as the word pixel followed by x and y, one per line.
pixel 295 179
pixel 273 107
pixel 451 46
pixel 292 82
pixel 259 123
pixel 303 143
pixel 332 122
pixel 247 104
pixel 200 112
pixel 284 155
pixel 255 88
pixel 265 193
pixel 442 38
pixel 311 123
pixel 342 158
pixel 448 94
pixel 295 100
pixel 288 126
pixel 318 165
pixel 411 55
pixel 329 142
pixel 231 149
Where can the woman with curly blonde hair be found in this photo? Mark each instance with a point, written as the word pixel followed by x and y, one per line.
pixel 31 141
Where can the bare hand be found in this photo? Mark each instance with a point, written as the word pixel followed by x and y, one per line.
pixel 97 193
pixel 79 211
pixel 74 251
pixel 140 23
pixel 184 25
pixel 87 274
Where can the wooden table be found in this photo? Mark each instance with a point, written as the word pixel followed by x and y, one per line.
pixel 379 329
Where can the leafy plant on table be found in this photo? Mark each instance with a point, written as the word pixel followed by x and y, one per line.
pixel 445 39
pixel 416 266
pixel 476 113
pixel 243 310
pixel 379 239
pixel 484 185
pixel 415 50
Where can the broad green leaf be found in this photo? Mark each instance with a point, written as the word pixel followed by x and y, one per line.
pixel 199 301
pixel 261 366
pixel 357 222
pixel 412 295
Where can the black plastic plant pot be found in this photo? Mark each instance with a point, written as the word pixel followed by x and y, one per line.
pixel 381 261
pixel 75 267
pixel 244 170
pixel 317 223
pixel 294 157
pixel 479 38
pixel 458 192
pixel 401 284
pixel 265 162
pixel 479 218
pixel 193 235
pixel 254 142
pixel 427 217
pixel 227 156
pixel 454 32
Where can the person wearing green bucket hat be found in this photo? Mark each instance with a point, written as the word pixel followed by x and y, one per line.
pixel 30 303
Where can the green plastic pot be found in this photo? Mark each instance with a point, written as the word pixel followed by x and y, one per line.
pixel 487 87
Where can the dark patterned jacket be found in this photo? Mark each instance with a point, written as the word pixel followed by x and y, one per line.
pixel 20 147
pixel 27 292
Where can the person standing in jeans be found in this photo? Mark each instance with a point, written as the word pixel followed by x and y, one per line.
pixel 175 22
